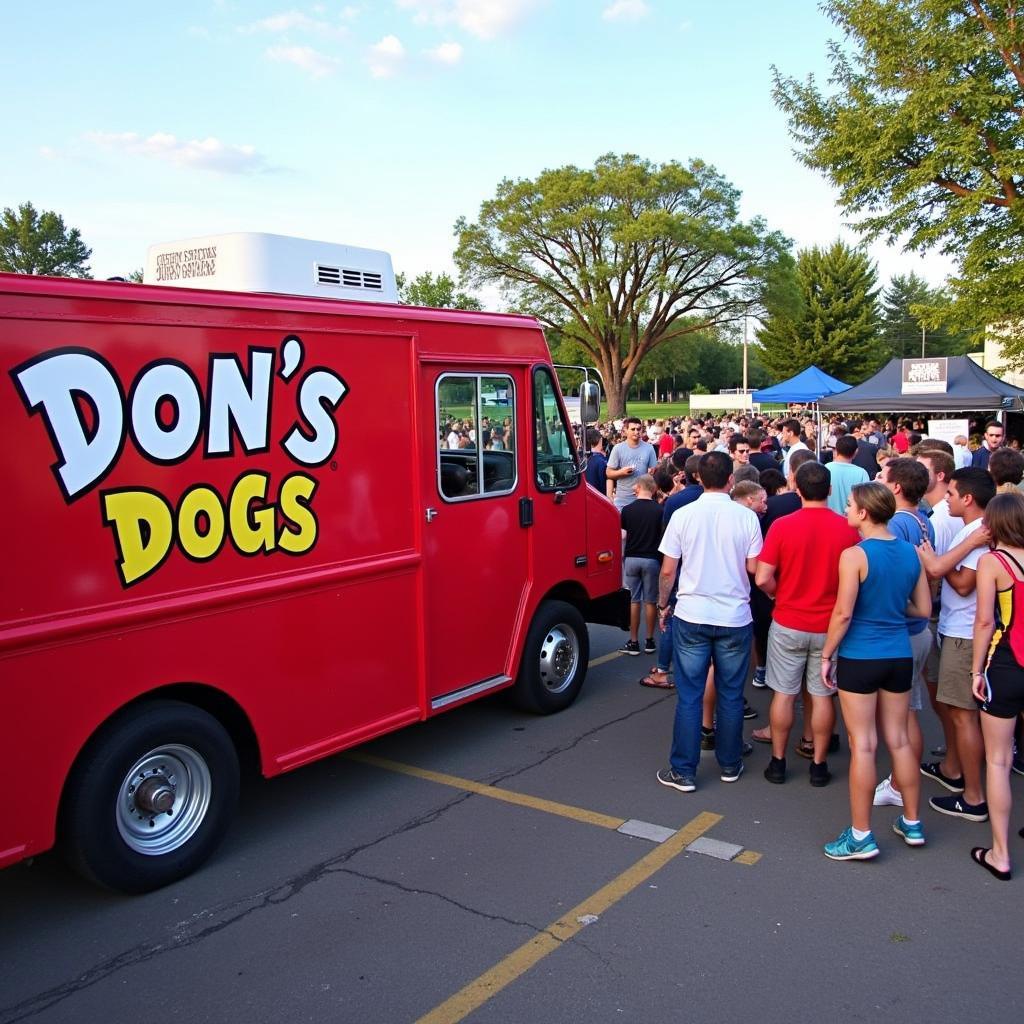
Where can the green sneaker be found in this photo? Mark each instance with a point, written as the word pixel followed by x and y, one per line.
pixel 913 835
pixel 848 848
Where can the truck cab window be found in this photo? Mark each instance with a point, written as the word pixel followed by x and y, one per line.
pixel 554 451
pixel 477 435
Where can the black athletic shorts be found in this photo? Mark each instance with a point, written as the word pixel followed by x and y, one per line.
pixel 1006 680
pixel 869 675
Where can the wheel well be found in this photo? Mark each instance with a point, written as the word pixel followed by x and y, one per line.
pixel 214 702
pixel 572 593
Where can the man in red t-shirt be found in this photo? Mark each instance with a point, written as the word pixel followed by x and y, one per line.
pixel 799 567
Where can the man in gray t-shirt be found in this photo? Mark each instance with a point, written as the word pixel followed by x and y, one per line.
pixel 629 460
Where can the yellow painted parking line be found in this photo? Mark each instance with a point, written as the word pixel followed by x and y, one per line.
pixel 604 658
pixel 507 795
pixel 748 857
pixel 517 963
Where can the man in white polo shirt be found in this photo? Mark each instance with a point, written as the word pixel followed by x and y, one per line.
pixel 715 542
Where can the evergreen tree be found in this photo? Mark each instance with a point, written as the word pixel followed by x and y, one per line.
pixel 903 304
pixel 833 322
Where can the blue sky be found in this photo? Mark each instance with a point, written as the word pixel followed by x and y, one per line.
pixel 378 124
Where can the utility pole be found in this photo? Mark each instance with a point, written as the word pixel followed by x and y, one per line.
pixel 922 341
pixel 744 353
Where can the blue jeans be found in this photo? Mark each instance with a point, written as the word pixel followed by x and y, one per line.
pixel 696 647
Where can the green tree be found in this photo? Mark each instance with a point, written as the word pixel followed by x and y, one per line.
pixel 437 292
pixel 38 243
pixel 835 322
pixel 921 132
pixel 621 258
pixel 903 303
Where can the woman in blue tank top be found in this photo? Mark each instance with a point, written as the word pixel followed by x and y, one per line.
pixel 881 582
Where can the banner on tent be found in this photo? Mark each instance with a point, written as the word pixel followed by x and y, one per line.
pixel 947 430
pixel 925 376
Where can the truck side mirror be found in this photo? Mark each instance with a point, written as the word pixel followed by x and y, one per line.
pixel 590 402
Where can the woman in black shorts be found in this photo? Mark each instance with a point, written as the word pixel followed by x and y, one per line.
pixel 880 582
pixel 998 675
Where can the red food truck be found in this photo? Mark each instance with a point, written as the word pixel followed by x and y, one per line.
pixel 239 533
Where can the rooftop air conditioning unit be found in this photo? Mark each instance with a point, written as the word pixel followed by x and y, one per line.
pixel 245 261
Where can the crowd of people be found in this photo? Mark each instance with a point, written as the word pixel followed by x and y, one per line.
pixel 873 565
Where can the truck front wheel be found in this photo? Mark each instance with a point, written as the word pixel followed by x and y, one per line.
pixel 151 797
pixel 554 659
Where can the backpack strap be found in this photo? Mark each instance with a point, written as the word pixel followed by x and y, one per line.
pixel 917 521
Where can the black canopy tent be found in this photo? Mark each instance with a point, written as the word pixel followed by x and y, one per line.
pixel 915 385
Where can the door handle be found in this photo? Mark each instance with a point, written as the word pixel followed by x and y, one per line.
pixel 431 514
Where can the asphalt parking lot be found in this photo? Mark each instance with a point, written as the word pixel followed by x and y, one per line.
pixel 494 866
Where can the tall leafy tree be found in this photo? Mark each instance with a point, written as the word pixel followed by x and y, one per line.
pixel 834 323
pixel 438 292
pixel 33 242
pixel 621 258
pixel 904 321
pixel 921 131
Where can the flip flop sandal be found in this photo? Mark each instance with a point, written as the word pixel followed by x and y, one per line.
pixel 655 684
pixel 978 856
pixel 805 749
pixel 763 735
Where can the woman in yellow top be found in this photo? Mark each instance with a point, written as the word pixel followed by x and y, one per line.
pixel 998 666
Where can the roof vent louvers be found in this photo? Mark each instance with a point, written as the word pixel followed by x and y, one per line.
pixel 327 275
pixel 372 281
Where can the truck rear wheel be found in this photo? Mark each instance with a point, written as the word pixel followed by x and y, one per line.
pixel 554 659
pixel 151 797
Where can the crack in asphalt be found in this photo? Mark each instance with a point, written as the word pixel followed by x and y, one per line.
pixel 555 751
pixel 391 883
pixel 238 910
pixel 235 911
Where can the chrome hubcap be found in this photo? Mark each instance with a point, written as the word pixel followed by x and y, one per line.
pixel 559 658
pixel 163 799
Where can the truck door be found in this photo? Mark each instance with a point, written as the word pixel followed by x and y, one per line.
pixel 474 548
pixel 560 515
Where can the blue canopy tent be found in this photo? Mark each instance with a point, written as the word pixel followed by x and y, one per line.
pixel 807 387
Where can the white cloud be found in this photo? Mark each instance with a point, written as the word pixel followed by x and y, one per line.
pixel 48 153
pixel 311 61
pixel 294 21
pixel 626 10
pixel 208 154
pixel 446 53
pixel 385 57
pixel 485 19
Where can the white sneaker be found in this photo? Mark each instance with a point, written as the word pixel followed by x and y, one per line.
pixel 886 795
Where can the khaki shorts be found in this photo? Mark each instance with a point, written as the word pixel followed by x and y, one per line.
pixel 793 658
pixel 955 656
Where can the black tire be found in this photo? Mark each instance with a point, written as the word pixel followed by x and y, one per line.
pixel 554 661
pixel 112 830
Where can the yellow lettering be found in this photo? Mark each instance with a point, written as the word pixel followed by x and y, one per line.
pixel 296 491
pixel 251 530
pixel 197 502
pixel 143 531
